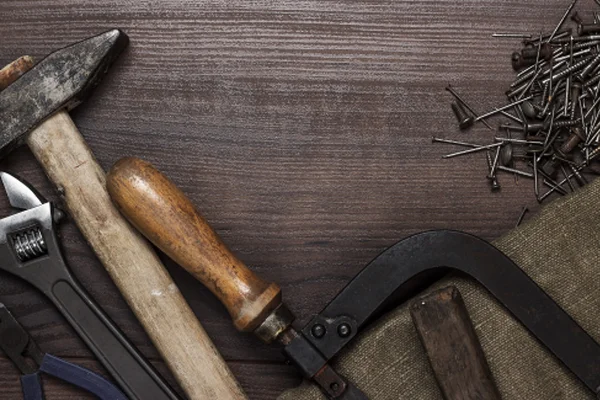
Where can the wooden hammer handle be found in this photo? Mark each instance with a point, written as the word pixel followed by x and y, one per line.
pixel 168 219
pixel 131 262
pixel 14 70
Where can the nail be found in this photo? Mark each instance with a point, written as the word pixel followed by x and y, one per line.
pixel 494 184
pixel 521 216
pixel 514 171
pixel 506 107
pixel 464 103
pixel 536 187
pixel 564 171
pixel 586 71
pixel 506 155
pixel 519 141
pixel 473 150
pixel 573 68
pixel 512 35
pixel 562 20
pixel 449 141
pixel 465 121
pixel 588 29
pixel 553 189
pixel 572 141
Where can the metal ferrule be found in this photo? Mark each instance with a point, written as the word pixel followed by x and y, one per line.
pixel 275 324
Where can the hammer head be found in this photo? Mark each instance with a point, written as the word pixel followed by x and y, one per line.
pixel 61 80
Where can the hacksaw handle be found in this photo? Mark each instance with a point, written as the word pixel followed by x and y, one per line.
pixel 450 341
pixel 164 214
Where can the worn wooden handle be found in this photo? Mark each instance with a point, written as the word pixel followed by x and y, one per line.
pixel 168 219
pixel 451 344
pixel 129 259
pixel 131 262
pixel 14 70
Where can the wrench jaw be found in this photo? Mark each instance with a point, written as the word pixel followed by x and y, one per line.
pixel 29 246
pixel 21 195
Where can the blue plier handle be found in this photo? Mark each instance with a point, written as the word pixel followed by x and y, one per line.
pixel 20 347
pixel 74 374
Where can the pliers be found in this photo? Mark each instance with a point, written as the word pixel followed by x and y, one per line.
pixel 20 347
pixel 30 249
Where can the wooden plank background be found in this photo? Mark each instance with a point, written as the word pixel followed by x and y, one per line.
pixel 301 128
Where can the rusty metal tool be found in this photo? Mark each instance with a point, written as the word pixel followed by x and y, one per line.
pixel 20 347
pixel 33 109
pixel 30 249
pixel 452 346
pixel 168 218
pixel 390 279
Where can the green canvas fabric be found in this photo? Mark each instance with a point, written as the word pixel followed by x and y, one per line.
pixel 560 250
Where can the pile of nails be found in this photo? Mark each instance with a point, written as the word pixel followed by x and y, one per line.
pixel 553 136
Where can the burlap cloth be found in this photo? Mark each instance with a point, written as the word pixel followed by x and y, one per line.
pixel 560 250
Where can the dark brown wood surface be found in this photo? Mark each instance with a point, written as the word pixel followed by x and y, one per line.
pixel 301 129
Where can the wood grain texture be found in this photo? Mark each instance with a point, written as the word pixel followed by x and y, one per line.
pixel 167 217
pixel 453 349
pixel 301 129
pixel 273 377
pixel 131 262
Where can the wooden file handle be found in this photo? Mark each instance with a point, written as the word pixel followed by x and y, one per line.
pixel 164 214
pixel 129 259
pixel 131 262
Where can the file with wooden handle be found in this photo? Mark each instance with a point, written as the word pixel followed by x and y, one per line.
pixel 127 256
pixel 164 214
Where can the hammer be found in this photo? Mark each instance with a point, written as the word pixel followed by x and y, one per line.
pixel 33 109
pixel 168 218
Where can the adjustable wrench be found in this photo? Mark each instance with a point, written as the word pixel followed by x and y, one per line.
pixel 29 249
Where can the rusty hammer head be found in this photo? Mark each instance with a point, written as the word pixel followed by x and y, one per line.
pixel 61 80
